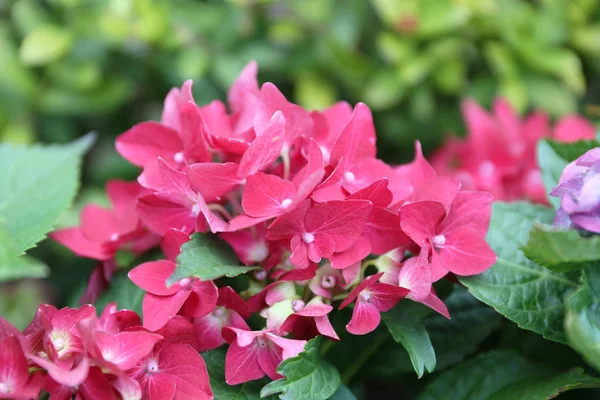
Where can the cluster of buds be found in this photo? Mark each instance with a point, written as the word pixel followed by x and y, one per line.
pixel 499 153
pixel 579 190
pixel 298 194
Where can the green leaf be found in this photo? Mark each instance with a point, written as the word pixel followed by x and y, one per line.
pixel 572 151
pixel 307 377
pixel 215 364
pixel 582 325
pixel 124 292
pixel 343 393
pixel 518 288
pixel 561 250
pixel 552 166
pixel 14 266
pixel 470 323
pixel 45 44
pixel 502 375
pixel 207 257
pixel 37 185
pixel 591 278
pixel 405 324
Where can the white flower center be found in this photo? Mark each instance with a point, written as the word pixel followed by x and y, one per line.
pixel 487 169
pixel 308 237
pixel 439 240
pixel 114 237
pixel 196 209
pixel 349 176
pixel 218 312
pixel 58 343
pixel 185 283
pixel 286 203
pixel 178 157
pixel 261 341
pixel 152 367
pixel 328 281
pixel 364 295
pixel 260 275
pixel 297 305
pixel 4 388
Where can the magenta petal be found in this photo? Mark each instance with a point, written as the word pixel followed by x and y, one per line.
pixel 74 240
pixel 466 252
pixel 265 149
pixel 267 196
pixel 385 296
pixel 357 140
pixel 357 252
pixel 241 364
pixel 158 309
pixel 13 364
pixel 377 193
pixel 152 277
pixel 269 359
pixel 384 232
pixel 147 141
pixel 166 210
pixel 131 348
pixel 208 332
pixel 325 328
pixel 213 180
pixel 188 370
pixel 73 377
pixel 434 302
pixel 472 209
pixel 172 241
pixel 420 219
pixel 365 318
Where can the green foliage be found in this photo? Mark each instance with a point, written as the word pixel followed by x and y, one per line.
pixel 207 257
pixel 37 185
pixel 124 292
pixel 406 326
pixel 582 325
pixel 306 377
pixel 503 375
pixel 518 288
pixel 561 250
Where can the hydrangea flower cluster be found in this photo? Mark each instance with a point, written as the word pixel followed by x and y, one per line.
pixel 298 194
pixel 499 153
pixel 579 190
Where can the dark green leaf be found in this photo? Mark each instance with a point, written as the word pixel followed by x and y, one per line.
pixel 518 288
pixel 572 151
pixel 561 250
pixel 591 277
pixel 343 393
pixel 582 325
pixel 307 377
pixel 124 292
pixel 502 375
pixel 406 326
pixel 207 257
pixel 215 364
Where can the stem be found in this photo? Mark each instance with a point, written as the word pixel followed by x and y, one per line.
pixel 363 358
pixel 221 209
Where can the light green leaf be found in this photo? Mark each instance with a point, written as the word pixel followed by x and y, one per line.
pixel 307 377
pixel 124 292
pixel 582 325
pixel 406 326
pixel 207 257
pixel 518 288
pixel 37 185
pixel 45 44
pixel 14 266
pixel 561 250
pixel 552 166
pixel 502 375
pixel 215 364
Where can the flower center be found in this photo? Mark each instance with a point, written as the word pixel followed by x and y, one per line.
pixel 261 341
pixel 328 281
pixel 218 312
pixel 349 176
pixel 185 283
pixel 58 343
pixel 152 367
pixel 196 209
pixel 364 295
pixel 114 237
pixel 178 157
pixel 487 169
pixel 439 240
pixel 260 275
pixel 4 388
pixel 297 305
pixel 308 237
pixel 286 203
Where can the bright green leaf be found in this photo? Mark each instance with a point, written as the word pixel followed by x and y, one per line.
pixel 124 292
pixel 45 44
pixel 207 257
pixel 37 185
pixel 14 266
pixel 307 377
pixel 561 250
pixel 502 375
pixel 518 288
pixel 215 364
pixel 582 325
pixel 552 166
pixel 406 326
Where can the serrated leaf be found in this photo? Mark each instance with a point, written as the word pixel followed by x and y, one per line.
pixel 561 250
pixel 215 364
pixel 207 257
pixel 306 377
pixel 37 185
pixel 124 292
pixel 406 326
pixel 582 325
pixel 14 266
pixel 518 288
pixel 502 375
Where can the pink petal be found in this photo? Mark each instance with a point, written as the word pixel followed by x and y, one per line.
pixel 158 309
pixel 267 195
pixel 385 296
pixel 128 348
pixel 171 243
pixel 73 377
pixel 147 141
pixel 159 386
pixel 174 100
pixel 289 225
pixel 243 95
pixel 331 188
pixel 419 220
pixel 572 128
pixel 178 330
pixel 377 193
pixel 434 302
pixel 269 359
pixel 166 210
pixel 188 370
pixel 202 300
pixel 14 370
pixel 357 252
pixel 465 252
pixel 98 224
pixel 384 232
pixel 415 275
pixel 440 189
pixel 357 140
pixel 213 180
pixel 472 209
pixel 241 364
pixel 152 277
pixel 249 245
pixel 97 386
pixel 365 318
pixel 208 332
pixel 366 283
pixel 128 388
pixel 74 240
pixel 243 221
pixel 290 347
pixel 229 298
pixel 192 137
pixel 418 171
pixel 311 175
pixel 265 149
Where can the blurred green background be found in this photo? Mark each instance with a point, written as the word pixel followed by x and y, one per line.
pixel 72 66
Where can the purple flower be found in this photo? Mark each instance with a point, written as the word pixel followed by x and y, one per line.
pixel 579 190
